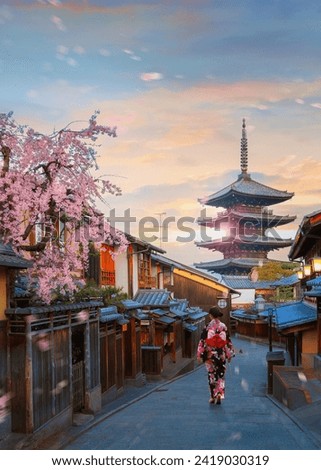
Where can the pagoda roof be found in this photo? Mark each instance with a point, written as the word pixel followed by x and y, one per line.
pixel 246 191
pixel 227 263
pixel 267 218
pixel 268 243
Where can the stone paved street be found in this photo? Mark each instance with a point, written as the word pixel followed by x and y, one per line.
pixel 177 414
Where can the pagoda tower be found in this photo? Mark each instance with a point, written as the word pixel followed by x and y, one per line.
pixel 248 223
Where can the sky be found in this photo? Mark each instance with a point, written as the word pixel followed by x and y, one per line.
pixel 176 78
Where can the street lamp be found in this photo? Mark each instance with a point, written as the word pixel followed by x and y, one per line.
pixel 270 317
pixel 222 302
pixel 307 270
pixel 260 303
pixel 316 265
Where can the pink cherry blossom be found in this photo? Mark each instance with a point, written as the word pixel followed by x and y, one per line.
pixel 48 200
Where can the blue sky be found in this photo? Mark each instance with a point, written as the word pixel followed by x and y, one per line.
pixel 176 78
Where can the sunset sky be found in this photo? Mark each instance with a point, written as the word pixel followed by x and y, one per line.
pixel 176 78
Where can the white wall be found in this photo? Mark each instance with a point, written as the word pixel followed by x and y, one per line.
pixel 121 268
pixel 247 297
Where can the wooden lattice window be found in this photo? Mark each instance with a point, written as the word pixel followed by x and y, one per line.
pixel 107 266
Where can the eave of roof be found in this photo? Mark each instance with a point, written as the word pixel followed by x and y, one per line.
pixel 268 242
pixel 246 187
pixel 310 226
pixel 144 244
pixel 10 259
pixel 192 270
pixel 243 282
pixel 267 220
pixel 295 314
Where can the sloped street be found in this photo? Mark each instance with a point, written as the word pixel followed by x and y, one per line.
pixel 177 415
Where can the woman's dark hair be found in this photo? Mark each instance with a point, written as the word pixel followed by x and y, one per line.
pixel 215 312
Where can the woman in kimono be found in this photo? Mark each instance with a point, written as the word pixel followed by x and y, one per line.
pixel 215 349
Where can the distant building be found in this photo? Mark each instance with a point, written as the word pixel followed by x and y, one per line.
pixel 246 220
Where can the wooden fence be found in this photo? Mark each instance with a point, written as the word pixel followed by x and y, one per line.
pixel 46 348
pixel 3 358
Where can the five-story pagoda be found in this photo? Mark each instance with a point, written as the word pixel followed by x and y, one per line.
pixel 249 226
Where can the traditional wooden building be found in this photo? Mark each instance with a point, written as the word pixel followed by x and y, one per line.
pixel 246 220
pixel 307 249
pixel 170 330
pixel 130 269
pixel 54 365
pixel 200 288
pixel 10 263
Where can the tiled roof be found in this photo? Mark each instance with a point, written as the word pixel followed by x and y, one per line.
pixel 245 187
pixel 286 281
pixel 261 241
pixel 243 282
pixel 264 216
pixel 108 314
pixel 189 327
pixel 284 316
pixel 10 259
pixel 152 297
pixel 240 314
pixel 315 285
pixel 241 262
pixel 165 319
pixel 309 228
pixel 131 304
pixel 190 269
pixel 294 314
pixel 165 308
pixel 53 308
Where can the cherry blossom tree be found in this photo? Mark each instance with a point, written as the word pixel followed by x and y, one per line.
pixel 48 199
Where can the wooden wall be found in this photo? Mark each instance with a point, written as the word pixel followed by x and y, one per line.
pixel 112 364
pixel 44 351
pixel 3 358
pixel 199 295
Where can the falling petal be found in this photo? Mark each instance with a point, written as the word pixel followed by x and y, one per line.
pixel 245 385
pixel 302 377
pixel 235 436
pixel 83 315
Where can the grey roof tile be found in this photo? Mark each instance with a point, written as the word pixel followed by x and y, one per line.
pixel 10 259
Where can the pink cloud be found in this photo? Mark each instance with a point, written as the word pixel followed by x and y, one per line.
pixel 150 76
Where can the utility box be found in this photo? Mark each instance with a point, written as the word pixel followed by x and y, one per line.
pixel 273 358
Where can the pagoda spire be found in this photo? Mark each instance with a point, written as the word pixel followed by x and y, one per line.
pixel 244 152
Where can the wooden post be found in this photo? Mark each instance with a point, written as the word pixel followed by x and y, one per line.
pixel 28 377
pixel 319 324
pixel 71 394
pixel 87 361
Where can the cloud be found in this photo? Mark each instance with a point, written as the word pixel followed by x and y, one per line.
pixel 63 50
pixel 58 23
pixel 79 50
pixel 55 3
pixel 151 76
pixel 261 107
